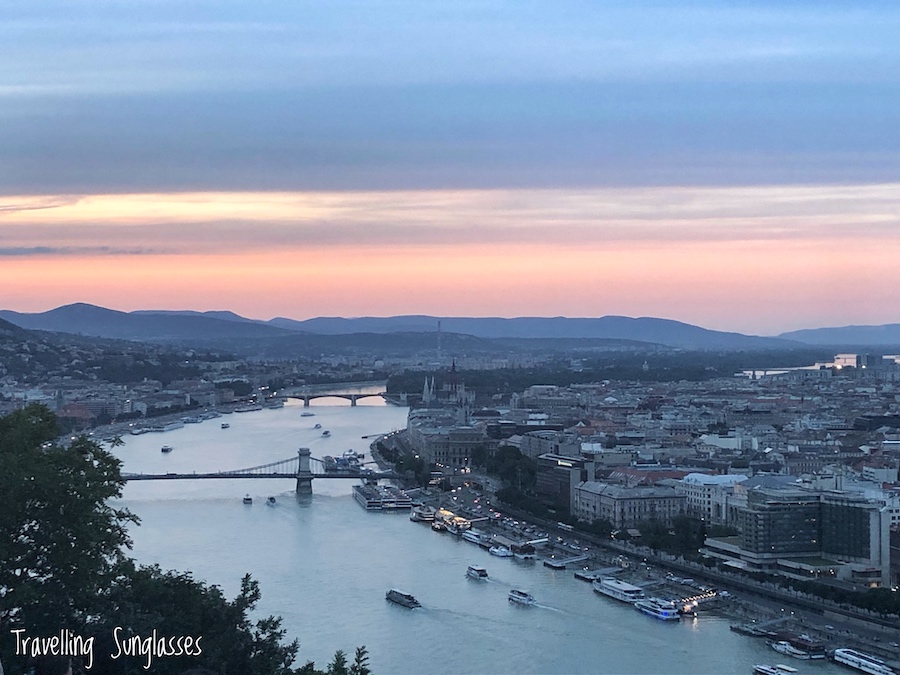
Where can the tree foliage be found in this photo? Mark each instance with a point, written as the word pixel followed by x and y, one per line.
pixel 63 566
pixel 61 542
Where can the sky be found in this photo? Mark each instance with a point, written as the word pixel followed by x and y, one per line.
pixel 733 165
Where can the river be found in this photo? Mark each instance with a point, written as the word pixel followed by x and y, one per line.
pixel 324 564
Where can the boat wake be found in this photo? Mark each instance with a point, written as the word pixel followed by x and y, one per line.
pixel 548 607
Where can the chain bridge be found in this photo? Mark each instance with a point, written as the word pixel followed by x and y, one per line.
pixel 303 468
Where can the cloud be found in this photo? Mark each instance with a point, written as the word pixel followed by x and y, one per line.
pixel 69 251
pixel 244 222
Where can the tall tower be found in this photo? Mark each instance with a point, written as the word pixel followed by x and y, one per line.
pixel 439 341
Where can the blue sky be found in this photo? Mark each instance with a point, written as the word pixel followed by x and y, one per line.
pixel 162 95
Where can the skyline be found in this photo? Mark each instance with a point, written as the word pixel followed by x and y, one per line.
pixel 736 168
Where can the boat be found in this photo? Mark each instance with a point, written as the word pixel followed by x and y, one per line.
pixel 500 552
pixel 249 407
pixel 166 448
pixel 476 572
pixel 270 501
pixel 458 526
pixel 402 598
pixel 422 514
pixel 381 497
pixel 171 426
pixel 317 426
pixel 520 597
pixel 778 669
pixel 786 648
pixel 814 648
pixel 439 526
pixel 326 433
pixel 618 589
pixel 307 414
pixel 861 661
pixel 474 536
pixel 666 610
pixel 248 499
pixel 225 425
pixel 523 551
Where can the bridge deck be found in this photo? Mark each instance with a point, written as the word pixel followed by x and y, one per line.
pixel 176 476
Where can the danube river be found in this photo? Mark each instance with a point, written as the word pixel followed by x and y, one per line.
pixel 324 564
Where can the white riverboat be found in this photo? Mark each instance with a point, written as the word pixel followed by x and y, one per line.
pixel 521 597
pixel 500 552
pixel 786 648
pixel 777 669
pixel 863 662
pixel 475 536
pixel 618 590
pixel 422 514
pixel 665 610
pixel 476 572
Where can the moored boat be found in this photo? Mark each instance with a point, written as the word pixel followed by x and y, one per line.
pixel 786 648
pixel 618 589
pixel 401 598
pixel 862 662
pixel 500 552
pixel 523 551
pixel 665 610
pixel 422 514
pixel 476 572
pixel 521 597
pixel 778 669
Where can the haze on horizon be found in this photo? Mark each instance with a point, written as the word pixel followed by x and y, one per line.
pixel 736 167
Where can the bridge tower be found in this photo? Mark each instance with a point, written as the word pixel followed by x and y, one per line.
pixel 304 475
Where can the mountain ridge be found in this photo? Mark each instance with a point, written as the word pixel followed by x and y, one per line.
pixel 166 325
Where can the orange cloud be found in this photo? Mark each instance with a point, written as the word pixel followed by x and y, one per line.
pixel 758 260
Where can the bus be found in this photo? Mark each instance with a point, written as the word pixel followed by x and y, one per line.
pixel 565 526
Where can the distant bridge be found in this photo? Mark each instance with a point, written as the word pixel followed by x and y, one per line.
pixel 299 468
pixel 306 395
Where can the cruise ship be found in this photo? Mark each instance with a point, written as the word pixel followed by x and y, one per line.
pixel 862 662
pixel 381 498
pixel 666 610
pixel 618 589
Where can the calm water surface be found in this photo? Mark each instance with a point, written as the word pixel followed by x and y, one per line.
pixel 324 565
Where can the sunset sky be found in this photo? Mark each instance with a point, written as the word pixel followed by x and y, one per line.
pixel 733 165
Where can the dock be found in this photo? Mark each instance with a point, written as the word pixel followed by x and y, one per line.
pixel 561 564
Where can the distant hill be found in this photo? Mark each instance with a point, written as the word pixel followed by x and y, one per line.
pixel 887 335
pixel 223 326
pixel 212 314
pixel 646 329
pixel 84 319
